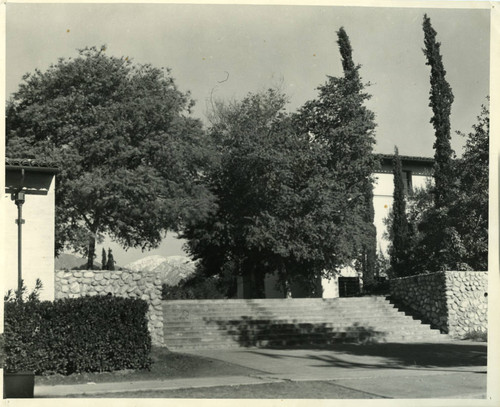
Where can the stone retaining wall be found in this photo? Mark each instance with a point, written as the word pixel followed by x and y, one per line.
pixel 454 301
pixel 122 283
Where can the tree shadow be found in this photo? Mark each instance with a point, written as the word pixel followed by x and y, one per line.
pixel 355 346
pixel 270 333
pixel 394 356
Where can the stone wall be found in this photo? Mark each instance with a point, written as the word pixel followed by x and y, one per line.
pixel 454 301
pixel 122 283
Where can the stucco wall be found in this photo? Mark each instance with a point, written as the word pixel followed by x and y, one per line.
pixel 454 301
pixel 382 202
pixel 37 241
pixel 122 283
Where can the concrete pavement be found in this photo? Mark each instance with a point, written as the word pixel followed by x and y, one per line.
pixel 448 370
pixel 442 370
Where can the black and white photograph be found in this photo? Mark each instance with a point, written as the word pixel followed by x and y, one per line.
pixel 282 202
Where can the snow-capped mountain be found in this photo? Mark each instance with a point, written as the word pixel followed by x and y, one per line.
pixel 146 263
pixel 170 269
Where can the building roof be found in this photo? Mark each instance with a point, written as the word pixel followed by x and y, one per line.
pixel 31 164
pixel 406 158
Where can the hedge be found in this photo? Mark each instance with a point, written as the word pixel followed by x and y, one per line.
pixel 74 335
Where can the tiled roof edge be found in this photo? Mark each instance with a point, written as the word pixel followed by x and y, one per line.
pixel 30 163
pixel 405 157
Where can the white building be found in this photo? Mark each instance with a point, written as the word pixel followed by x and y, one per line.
pixel 32 182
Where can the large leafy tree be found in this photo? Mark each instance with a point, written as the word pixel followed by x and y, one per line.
pixel 341 125
pixel 247 235
pixel 470 209
pixel 128 152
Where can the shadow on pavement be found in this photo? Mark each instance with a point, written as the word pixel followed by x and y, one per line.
pixel 397 355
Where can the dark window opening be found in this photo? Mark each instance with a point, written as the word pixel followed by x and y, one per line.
pixel 349 286
pixel 407 181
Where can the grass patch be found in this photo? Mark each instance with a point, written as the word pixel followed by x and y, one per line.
pixel 166 365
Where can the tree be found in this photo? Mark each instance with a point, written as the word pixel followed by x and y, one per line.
pixel 439 234
pixel 400 233
pixel 466 216
pixel 340 123
pixel 111 261
pixel 249 234
pixel 470 210
pixel 441 99
pixel 130 157
pixel 104 261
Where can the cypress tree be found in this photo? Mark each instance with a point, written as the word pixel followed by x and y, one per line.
pixel 439 234
pixel 104 263
pixel 400 228
pixel 364 149
pixel 111 260
pixel 441 99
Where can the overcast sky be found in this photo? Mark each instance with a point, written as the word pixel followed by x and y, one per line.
pixel 227 51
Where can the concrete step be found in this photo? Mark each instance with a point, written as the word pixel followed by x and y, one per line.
pixel 221 343
pixel 183 314
pixel 283 323
pixel 197 324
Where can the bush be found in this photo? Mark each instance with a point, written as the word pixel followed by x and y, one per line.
pixel 190 289
pixel 478 336
pixel 88 334
pixel 377 287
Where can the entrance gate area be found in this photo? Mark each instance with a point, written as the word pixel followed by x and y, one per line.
pixel 349 286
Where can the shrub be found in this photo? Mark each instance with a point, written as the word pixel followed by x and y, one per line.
pixel 88 334
pixel 476 335
pixel 198 286
pixel 188 289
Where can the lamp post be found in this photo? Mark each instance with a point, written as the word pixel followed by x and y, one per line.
pixel 19 198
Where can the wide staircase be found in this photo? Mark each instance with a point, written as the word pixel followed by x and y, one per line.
pixel 212 324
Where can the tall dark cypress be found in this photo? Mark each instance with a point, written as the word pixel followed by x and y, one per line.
pixel 363 153
pixel 104 261
pixel 400 228
pixel 111 261
pixel 441 99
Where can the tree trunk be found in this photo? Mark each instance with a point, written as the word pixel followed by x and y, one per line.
pixel 91 253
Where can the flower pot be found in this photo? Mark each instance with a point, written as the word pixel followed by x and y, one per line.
pixel 18 385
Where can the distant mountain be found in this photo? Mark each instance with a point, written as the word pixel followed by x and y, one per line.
pixel 146 263
pixel 170 269
pixel 67 261
pixel 174 269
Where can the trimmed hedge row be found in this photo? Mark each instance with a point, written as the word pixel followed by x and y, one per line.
pixel 73 335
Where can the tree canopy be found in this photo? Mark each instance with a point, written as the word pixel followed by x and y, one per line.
pixel 128 152
pixel 292 190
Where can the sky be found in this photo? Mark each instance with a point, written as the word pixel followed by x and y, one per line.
pixel 225 51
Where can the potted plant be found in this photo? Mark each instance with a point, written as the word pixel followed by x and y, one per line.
pixel 18 381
